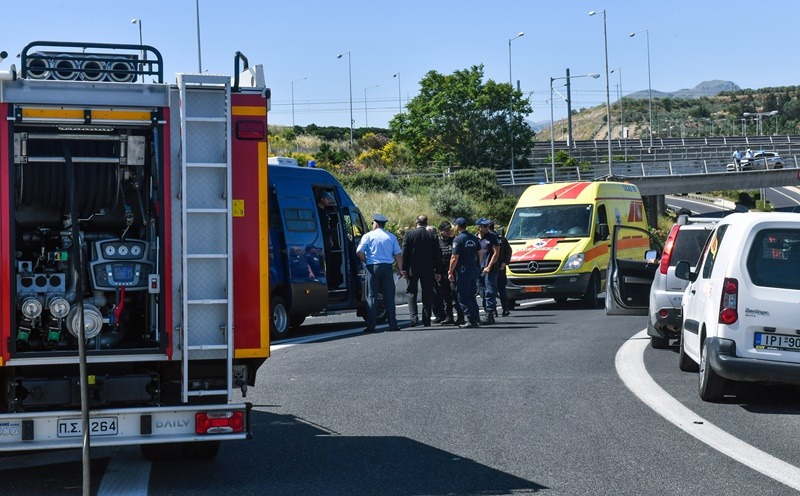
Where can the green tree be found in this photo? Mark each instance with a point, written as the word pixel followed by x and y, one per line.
pixel 458 120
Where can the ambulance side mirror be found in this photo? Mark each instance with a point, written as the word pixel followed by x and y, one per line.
pixel 601 233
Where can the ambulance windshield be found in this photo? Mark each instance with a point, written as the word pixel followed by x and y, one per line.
pixel 564 221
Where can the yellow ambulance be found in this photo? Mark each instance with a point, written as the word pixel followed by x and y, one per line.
pixel 559 237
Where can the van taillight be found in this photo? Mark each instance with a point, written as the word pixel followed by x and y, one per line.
pixel 218 422
pixel 730 299
pixel 673 233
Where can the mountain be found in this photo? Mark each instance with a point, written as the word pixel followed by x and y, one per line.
pixel 538 125
pixel 706 88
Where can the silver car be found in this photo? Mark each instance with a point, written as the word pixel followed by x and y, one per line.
pixel 629 279
pixel 684 242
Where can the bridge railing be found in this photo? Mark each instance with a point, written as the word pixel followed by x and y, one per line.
pixel 630 169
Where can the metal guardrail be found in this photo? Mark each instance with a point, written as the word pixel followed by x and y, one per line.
pixel 627 170
pixel 667 149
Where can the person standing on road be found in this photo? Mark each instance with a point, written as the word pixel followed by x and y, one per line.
pixel 378 249
pixel 421 259
pixel 487 281
pixel 445 300
pixel 464 271
pixel 503 260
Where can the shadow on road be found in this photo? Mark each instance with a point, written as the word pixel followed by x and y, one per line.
pixel 291 456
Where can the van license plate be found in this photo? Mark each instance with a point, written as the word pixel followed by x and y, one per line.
pixel 534 289
pixel 764 341
pixel 98 426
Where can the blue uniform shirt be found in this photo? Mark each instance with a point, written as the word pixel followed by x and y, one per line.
pixel 379 247
pixel 466 246
pixel 488 241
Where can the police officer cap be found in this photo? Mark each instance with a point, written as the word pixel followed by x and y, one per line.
pixel 445 226
pixel 460 222
pixel 482 222
pixel 380 218
pixel 326 196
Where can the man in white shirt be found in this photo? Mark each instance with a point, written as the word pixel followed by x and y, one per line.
pixel 378 249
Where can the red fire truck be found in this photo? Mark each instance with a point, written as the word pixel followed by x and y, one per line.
pixel 133 250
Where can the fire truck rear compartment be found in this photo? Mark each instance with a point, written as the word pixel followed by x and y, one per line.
pixel 107 177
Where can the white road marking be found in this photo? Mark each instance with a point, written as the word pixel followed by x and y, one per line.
pixel 127 474
pixel 776 190
pixel 630 367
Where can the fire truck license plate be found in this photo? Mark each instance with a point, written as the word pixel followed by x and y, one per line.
pixel 98 426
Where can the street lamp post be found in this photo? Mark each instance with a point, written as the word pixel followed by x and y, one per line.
pixel 621 112
pixel 775 113
pixel 296 80
pixel 649 85
pixel 366 117
pixel 618 70
pixel 511 103
pixel 608 91
pixel 350 79
pixel 552 125
pixel 141 54
pixel 199 58
pixel 757 116
pixel 399 98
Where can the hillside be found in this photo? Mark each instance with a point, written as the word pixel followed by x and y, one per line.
pixel 710 108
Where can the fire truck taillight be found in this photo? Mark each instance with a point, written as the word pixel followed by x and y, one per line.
pixel 250 130
pixel 218 422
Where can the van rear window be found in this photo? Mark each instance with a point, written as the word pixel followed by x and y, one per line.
pixel 774 259
pixel 300 220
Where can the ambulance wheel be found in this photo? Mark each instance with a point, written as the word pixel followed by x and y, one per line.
pixel 205 450
pixel 590 299
pixel 279 326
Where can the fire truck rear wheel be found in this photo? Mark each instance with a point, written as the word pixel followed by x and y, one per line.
pixel 206 450
pixel 162 452
pixel 279 326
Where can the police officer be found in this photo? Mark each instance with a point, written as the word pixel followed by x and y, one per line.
pixel 503 261
pixel 464 271
pixel 421 259
pixel 377 250
pixel 445 293
pixel 487 281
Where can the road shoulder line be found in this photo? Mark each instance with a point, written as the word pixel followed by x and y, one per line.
pixel 629 363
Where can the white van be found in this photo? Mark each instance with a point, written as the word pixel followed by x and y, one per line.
pixel 742 304
pixel 740 310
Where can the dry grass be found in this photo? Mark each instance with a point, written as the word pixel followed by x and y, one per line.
pixel 402 210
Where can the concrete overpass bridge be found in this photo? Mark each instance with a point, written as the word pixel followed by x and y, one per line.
pixel 657 179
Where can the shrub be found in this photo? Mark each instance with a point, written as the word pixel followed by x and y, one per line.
pixel 450 202
pixel 368 180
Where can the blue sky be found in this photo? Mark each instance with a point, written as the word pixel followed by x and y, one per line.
pixel 749 43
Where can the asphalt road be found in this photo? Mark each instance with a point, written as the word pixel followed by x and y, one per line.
pixel 534 404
